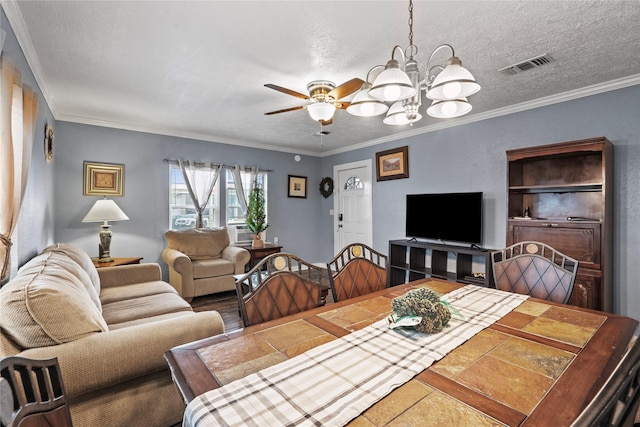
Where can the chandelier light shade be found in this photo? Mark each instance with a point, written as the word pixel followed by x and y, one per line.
pixel 105 210
pixel 392 84
pixel 321 111
pixel 397 115
pixel 364 105
pixel 446 109
pixel 454 82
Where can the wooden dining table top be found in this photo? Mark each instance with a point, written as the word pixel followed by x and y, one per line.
pixel 541 364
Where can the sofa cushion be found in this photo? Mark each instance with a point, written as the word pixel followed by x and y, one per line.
pixel 48 306
pixel 136 290
pixel 198 243
pixel 143 307
pixel 81 258
pixel 212 268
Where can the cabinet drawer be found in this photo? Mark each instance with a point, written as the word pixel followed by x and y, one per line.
pixel 579 241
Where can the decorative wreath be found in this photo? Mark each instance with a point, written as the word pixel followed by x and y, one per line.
pixel 326 187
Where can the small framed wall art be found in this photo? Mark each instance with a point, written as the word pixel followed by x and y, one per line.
pixel 48 143
pixel 392 164
pixel 297 186
pixel 103 179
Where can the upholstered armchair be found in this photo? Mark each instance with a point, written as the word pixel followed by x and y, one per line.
pixel 202 262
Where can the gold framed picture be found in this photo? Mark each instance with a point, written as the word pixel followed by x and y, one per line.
pixel 392 164
pixel 103 179
pixel 298 186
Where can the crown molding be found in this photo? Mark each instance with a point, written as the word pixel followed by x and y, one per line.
pixel 499 112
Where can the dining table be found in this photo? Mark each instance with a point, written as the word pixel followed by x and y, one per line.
pixel 531 362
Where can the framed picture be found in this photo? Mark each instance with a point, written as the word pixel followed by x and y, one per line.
pixel 392 164
pixel 48 143
pixel 298 186
pixel 103 179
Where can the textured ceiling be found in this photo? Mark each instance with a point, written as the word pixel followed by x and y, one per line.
pixel 198 69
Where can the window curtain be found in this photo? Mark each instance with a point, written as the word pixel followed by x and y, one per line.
pixel 200 179
pixel 243 196
pixel 18 109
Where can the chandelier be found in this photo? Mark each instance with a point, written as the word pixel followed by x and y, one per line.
pixel 399 84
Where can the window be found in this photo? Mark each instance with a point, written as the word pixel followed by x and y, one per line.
pixel 182 212
pixel 353 183
pixel 235 213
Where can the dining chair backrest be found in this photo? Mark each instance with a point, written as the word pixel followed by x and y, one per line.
pixel 536 269
pixel 616 403
pixel 279 285
pixel 32 393
pixel 357 270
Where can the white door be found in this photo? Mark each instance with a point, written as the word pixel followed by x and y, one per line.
pixel 352 204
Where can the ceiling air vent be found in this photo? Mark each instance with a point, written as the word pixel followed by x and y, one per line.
pixel 538 61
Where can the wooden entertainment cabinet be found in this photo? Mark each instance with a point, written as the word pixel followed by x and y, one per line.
pixel 412 260
pixel 567 190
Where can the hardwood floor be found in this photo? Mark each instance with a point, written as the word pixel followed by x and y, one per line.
pixel 225 303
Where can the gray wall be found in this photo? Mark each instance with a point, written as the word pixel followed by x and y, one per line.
pixel 34 230
pixel 146 201
pixel 472 158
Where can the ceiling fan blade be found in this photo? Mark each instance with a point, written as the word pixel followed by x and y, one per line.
pixel 287 91
pixel 346 88
pixel 299 107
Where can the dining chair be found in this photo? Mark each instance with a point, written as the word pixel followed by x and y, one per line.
pixel 357 270
pixel 616 403
pixel 32 393
pixel 536 269
pixel 279 285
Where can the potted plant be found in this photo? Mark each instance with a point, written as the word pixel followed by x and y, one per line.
pixel 256 215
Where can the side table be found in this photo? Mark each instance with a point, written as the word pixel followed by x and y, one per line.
pixel 258 253
pixel 116 262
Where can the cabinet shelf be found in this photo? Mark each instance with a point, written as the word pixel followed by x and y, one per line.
pixel 563 188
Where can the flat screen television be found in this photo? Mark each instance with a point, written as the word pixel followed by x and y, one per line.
pixel 447 217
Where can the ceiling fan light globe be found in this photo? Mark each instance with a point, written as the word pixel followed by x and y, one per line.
pixel 449 109
pixel 321 111
pixel 454 82
pixel 365 106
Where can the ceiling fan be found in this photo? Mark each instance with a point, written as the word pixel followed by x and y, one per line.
pixel 324 96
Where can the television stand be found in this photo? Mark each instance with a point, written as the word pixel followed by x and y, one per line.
pixel 412 260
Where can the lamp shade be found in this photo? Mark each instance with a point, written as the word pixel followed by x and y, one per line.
pixel 105 210
pixel 365 106
pixel 445 109
pixel 392 84
pixel 321 111
pixel 454 82
pixel 397 116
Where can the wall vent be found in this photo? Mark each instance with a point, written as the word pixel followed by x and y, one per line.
pixel 529 64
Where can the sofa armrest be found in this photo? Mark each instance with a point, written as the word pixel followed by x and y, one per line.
pixel 129 274
pixel 238 256
pixel 108 358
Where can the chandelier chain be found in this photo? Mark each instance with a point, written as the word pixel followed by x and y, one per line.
pixel 410 22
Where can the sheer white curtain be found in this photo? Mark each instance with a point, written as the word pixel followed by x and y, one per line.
pixel 200 179
pixel 18 109
pixel 243 189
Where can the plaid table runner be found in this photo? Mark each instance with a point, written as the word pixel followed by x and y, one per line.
pixel 331 384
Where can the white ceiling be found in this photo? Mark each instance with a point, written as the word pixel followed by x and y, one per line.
pixel 197 69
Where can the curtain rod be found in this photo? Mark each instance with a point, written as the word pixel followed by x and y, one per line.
pixel 175 162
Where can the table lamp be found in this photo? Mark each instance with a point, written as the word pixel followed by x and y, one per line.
pixel 105 210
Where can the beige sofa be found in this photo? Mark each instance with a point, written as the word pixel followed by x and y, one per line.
pixel 109 329
pixel 202 262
